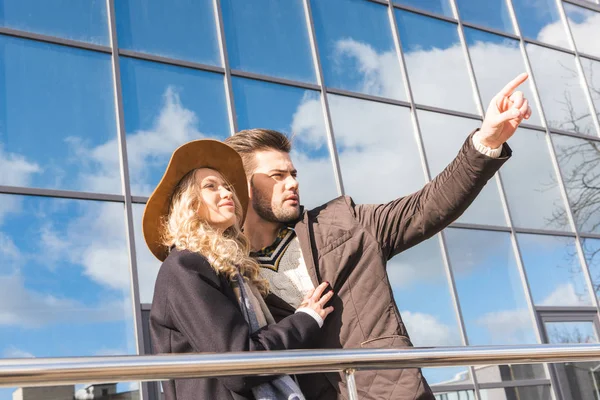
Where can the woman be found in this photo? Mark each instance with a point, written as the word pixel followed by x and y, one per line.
pixel 208 293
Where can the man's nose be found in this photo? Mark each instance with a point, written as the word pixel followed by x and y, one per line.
pixel 291 183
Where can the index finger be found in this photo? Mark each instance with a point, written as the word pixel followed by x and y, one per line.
pixel 512 85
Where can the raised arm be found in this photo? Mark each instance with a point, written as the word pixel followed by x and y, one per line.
pixel 409 220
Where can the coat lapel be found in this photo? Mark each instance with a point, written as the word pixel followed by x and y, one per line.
pixel 303 234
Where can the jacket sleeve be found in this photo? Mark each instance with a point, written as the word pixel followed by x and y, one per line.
pixel 407 221
pixel 213 323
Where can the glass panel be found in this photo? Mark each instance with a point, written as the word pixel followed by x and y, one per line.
pixel 541 20
pixel 503 373
pixel 436 6
pixel 467 394
pixel 553 270
pixel 356 47
pixel 297 113
pixel 579 160
pixel 377 149
pixel 64 279
pixel 57 118
pixel 571 332
pixel 591 69
pixel 268 37
pixel 491 296
pixel 489 287
pixel 591 251
pixel 560 89
pixel 166 106
pixel 182 29
pixel 435 62
pixel 585 26
pixel 86 21
pixel 104 391
pixel 147 264
pixel 496 61
pixel 421 291
pixel 443 136
pixel 523 392
pixel 534 197
pixel 493 14
pixel 577 381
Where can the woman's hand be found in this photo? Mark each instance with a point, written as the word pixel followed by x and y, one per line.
pixel 316 300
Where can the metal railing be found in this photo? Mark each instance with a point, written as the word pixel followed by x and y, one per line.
pixel 63 371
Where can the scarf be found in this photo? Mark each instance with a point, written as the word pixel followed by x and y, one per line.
pixel 257 315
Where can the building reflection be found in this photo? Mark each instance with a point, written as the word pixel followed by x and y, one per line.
pixel 105 391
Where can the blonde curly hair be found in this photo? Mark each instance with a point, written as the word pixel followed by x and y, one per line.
pixel 227 252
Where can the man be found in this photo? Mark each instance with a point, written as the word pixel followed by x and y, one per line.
pixel 348 244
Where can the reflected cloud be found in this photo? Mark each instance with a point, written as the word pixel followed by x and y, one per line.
pixel 427 330
pixel 564 295
pixel 173 126
pixel 27 308
pixel 507 326
pixel 585 27
pixel 13 352
pixel 380 70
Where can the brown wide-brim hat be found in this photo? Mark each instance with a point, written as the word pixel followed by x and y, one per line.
pixel 204 153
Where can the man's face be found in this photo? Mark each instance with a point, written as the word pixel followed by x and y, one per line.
pixel 274 188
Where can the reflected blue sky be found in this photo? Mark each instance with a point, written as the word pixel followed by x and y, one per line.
pixel 268 37
pixel 591 252
pixel 561 90
pixel 585 27
pixel 435 60
pixel 377 148
pixel 489 287
pixel 553 270
pixel 534 198
pixel 496 61
pixel 443 137
pixel 297 113
pixel 540 19
pixel 422 294
pixel 166 106
pixel 56 107
pixel 490 13
pixel 356 47
pixel 441 7
pixel 71 19
pixel 183 29
pixel 64 279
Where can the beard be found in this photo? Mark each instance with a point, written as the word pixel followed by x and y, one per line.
pixel 269 212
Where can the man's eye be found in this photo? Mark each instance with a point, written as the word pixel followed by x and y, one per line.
pixel 276 176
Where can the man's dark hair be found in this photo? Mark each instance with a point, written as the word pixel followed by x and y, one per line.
pixel 249 141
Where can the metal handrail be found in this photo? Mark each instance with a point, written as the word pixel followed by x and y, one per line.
pixel 61 371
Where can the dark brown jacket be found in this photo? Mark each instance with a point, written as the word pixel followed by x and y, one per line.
pixel 349 245
pixel 195 310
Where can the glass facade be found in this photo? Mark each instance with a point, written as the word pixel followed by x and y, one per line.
pixel 379 95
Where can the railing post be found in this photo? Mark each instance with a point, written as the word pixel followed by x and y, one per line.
pixel 352 392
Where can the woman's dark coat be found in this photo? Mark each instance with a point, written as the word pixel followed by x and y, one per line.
pixel 195 310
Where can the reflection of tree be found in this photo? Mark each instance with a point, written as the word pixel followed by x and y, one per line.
pixel 574 120
pixel 562 334
pixel 579 161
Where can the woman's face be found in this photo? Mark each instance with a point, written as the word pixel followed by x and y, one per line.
pixel 218 207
